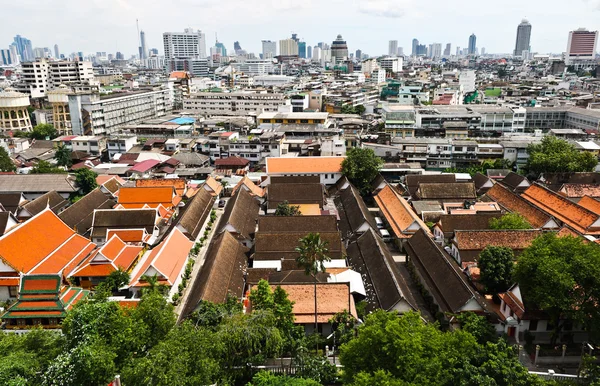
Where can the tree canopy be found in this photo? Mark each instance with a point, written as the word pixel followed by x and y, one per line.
pixel 63 156
pixel 44 131
pixel 6 163
pixel 561 276
pixel 361 166
pixel 554 155
pixel 510 221
pixel 285 209
pixel 86 180
pixel 496 266
pixel 45 167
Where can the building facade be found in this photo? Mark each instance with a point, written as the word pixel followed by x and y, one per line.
pixel 13 111
pixel 207 103
pixel 523 38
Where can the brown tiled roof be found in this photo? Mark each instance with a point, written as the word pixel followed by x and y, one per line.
pixel 384 285
pixel 325 223
pixel 4 217
pixel 296 276
pixel 52 199
pixel 580 190
pixel 446 191
pixel 295 194
pixel 514 180
pixel 275 246
pixel 555 180
pixel 475 241
pixel 113 185
pixel 295 180
pixel 79 215
pixel 195 214
pixel 449 223
pixel 11 201
pixel 353 211
pixel 442 275
pixel 398 213
pixel 480 182
pixel 513 203
pixel 241 212
pixel 179 184
pixel 590 204
pixel 580 219
pixel 413 180
pixel 232 161
pixel 513 303
pixel 105 219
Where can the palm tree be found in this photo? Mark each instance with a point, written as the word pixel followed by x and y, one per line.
pixel 313 253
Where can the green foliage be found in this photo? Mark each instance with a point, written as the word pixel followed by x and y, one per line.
pixel 410 351
pixel 478 326
pixel 312 254
pixel 265 378
pixel 361 166
pixel 262 296
pixel 496 266
pixel 63 156
pixel 45 167
pixel 349 109
pixel 86 180
pixel 112 283
pixel 44 131
pixel 211 315
pixel 510 221
pixel 483 167
pixel 285 209
pixel 561 275
pixel 554 155
pixel 343 325
pixel 379 378
pixel 316 367
pixel 6 164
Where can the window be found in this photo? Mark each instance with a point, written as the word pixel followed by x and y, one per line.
pixel 533 325
pixel 279 121
pixel 12 291
pixel 304 121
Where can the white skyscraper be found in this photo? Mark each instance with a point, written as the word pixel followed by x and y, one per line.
pixel 288 47
pixel 184 45
pixel 269 49
pixel 393 48
pixel 316 54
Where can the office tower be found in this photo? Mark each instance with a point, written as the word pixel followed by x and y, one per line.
pixel 457 51
pixel 302 50
pixel 309 52
pixel 56 52
pixel 316 54
pixel 14 54
pixel 38 53
pixel 288 47
pixel 393 48
pixel 435 50
pixel 269 49
pixel 358 55
pixel 482 51
pixel 182 45
pixel 237 46
pixel 24 48
pixel 339 49
pixel 415 45
pixel 447 50
pixel 472 44
pixel 295 38
pixel 523 38
pixel 221 48
pixel 421 49
pixel 120 56
pixel 143 47
pixel 400 51
pixel 154 51
pixel 581 45
pixel 5 57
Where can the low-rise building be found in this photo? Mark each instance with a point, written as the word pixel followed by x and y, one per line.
pixel 240 103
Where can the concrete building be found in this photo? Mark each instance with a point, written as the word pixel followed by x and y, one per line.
pixel 581 47
pixel 472 44
pixel 37 78
pixel 523 38
pixel 89 144
pixel 13 111
pixel 466 79
pixel 288 47
pixel 143 48
pixel 393 48
pixel 59 99
pixel 120 144
pixel 269 49
pixel 24 48
pixel 188 44
pixel 56 52
pixel 255 66
pixel 435 50
pixel 92 114
pixel 339 49
pixel 391 64
pixel 240 103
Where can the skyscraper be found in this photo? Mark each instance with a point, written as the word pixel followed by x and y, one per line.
pixel 472 44
pixel 339 49
pixel 458 51
pixel 56 52
pixel 415 45
pixel 447 50
pixel 5 57
pixel 288 47
pixel 143 49
pixel 581 45
pixel 523 38
pixel 435 50
pixel 400 51
pixel 302 50
pixel 358 55
pixel 393 48
pixel 187 44
pixel 24 48
pixel 482 51
pixel 316 54
pixel 309 52
pixel 269 49
pixel 14 54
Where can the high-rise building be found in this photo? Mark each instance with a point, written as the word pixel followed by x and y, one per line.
pixel 309 52
pixel 237 47
pixel 339 49
pixel 458 53
pixel 581 45
pixel 269 49
pixel 221 47
pixel 523 38
pixel 288 47
pixel 302 50
pixel 472 44
pixel 482 51
pixel 435 50
pixel 393 48
pixel 447 50
pixel 56 52
pixel 184 45
pixel 316 54
pixel 415 45
pixel 358 55
pixel 14 54
pixel 120 56
pixel 154 51
pixel 24 48
pixel 400 51
pixel 5 57
pixel 421 49
pixel 143 49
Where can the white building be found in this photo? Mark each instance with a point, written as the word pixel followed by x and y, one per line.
pixel 269 49
pixel 243 103
pixel 120 144
pixel 37 78
pixel 13 111
pixel 88 144
pixel 255 66
pixel 391 64
pixel 466 79
pixel 581 47
pixel 393 48
pixel 186 44
pixel 273 80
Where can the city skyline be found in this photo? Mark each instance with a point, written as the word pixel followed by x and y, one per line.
pixel 368 26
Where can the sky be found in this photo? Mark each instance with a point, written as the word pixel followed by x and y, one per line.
pixel 110 25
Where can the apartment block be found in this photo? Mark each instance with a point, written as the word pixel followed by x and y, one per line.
pixel 37 78
pixel 207 103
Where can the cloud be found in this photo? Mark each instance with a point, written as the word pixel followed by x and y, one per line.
pixel 383 8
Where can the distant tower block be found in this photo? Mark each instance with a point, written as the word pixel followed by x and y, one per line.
pixel 13 111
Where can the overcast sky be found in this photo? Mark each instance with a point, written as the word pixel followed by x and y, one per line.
pixel 109 25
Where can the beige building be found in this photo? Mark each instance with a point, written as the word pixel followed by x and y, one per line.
pixel 59 99
pixel 13 111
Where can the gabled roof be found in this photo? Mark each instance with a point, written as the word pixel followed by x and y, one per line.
pixel 471 243
pixel 241 213
pixel 166 260
pixel 43 244
pixel 195 213
pixel 303 165
pixel 136 197
pixel 179 184
pixel 144 166
pixel 5 221
pixel 296 179
pixel 577 217
pixel 79 216
pixel 279 224
pixel 213 186
pixel 398 213
pixel 442 275
pixel 34 183
pixel 482 183
pixel 449 223
pixel 113 255
pixel 384 285
pixel 353 211
pixel 515 204
pixel 52 200
pixel 112 219
pixel 12 201
pixel 555 180
pixel 295 194
pixel 232 161
pixel 580 190
pixel 251 187
pixel 282 245
pixel 516 182
pixel 590 204
pixel 446 191
pixel 413 180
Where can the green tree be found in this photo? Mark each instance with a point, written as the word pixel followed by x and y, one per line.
pixel 561 276
pixel 554 155
pixel 44 131
pixel 285 209
pixel 343 325
pixel 265 378
pixel 510 221
pixel 361 166
pixel 261 297
pixel 6 163
pixel 496 266
pixel 360 109
pixel 478 326
pixel 86 180
pixel 45 167
pixel 379 378
pixel 210 315
pixel 312 254
pixel 63 156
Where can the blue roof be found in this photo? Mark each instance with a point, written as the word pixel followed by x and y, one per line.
pixel 183 121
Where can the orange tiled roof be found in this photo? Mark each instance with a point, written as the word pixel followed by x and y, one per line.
pixel 113 255
pixel 214 185
pixel 179 184
pixel 590 204
pixel 577 217
pixel 104 178
pixel 9 281
pixel 294 165
pixel 514 203
pixel 152 195
pixel 251 187
pixel 128 235
pixel 398 213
